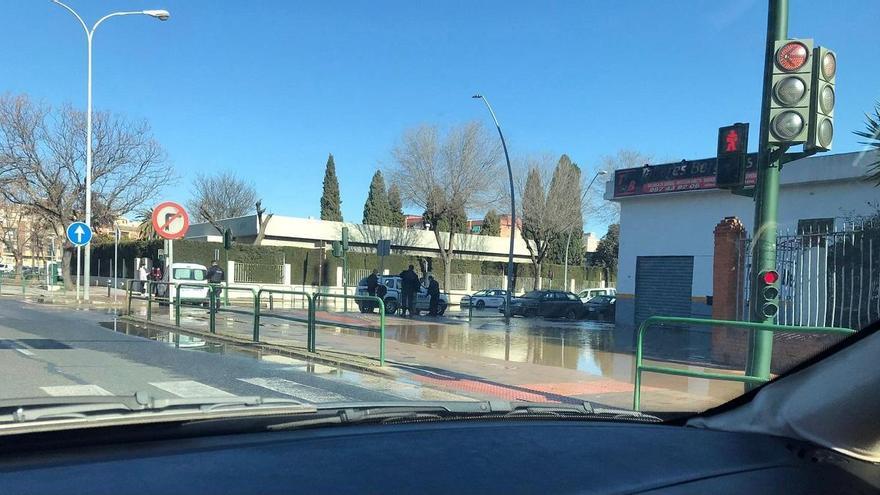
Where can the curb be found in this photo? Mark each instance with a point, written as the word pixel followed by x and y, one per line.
pixel 323 357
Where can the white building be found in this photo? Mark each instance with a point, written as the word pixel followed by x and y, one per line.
pixel 667 218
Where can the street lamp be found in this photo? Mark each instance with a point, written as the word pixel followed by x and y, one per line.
pixel 162 15
pixel 512 207
pixel 571 229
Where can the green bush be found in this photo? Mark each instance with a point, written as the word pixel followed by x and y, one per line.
pixel 307 266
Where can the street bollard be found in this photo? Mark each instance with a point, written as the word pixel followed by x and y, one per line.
pixel 271 302
pixel 108 288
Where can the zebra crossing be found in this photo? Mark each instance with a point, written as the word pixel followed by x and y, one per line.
pixel 282 386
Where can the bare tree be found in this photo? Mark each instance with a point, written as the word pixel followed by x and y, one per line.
pixel 221 195
pixel 42 152
pixel 609 211
pixel 549 209
pixel 446 175
pixel 15 233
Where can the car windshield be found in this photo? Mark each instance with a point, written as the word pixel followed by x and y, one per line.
pixel 613 202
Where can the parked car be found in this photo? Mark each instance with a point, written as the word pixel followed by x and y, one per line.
pixel 392 297
pixel 188 273
pixel 547 303
pixel 588 294
pixel 489 298
pixel 600 307
pixel 6 268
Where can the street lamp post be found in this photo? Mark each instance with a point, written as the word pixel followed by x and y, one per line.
pixel 512 207
pixel 571 229
pixel 162 15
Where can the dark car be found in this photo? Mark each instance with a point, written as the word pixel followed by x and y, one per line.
pixel 546 303
pixel 600 307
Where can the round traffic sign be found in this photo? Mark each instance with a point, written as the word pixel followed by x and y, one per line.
pixel 170 220
pixel 79 233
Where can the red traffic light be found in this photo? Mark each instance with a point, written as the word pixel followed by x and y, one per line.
pixel 770 277
pixel 792 56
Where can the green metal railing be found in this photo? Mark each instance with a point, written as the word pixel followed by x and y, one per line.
pixel 178 300
pixel 748 325
pixel 379 304
pixel 310 314
pixel 129 288
pixel 225 290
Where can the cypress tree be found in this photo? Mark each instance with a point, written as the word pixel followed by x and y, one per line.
pixel 376 209
pixel 395 205
pixel 331 204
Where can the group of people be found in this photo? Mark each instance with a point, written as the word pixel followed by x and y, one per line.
pixel 410 283
pixel 152 275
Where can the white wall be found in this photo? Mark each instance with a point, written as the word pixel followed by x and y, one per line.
pixel 682 223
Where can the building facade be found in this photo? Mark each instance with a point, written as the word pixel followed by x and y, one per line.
pixel 668 216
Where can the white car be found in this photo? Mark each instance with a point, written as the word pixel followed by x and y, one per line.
pixel 392 296
pixel 5 268
pixel 588 294
pixel 489 298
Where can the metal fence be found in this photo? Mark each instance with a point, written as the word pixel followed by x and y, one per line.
pixel 256 273
pixel 482 282
pixel 826 278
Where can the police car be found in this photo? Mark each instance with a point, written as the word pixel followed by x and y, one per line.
pixel 392 285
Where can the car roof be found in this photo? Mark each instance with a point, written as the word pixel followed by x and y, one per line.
pixel 188 265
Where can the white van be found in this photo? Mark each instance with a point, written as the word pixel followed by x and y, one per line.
pixel 587 294
pixel 185 273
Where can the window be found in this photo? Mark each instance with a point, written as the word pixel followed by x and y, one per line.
pixel 189 274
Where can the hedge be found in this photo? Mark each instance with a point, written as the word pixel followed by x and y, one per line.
pixel 306 265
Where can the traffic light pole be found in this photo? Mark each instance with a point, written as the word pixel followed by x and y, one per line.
pixel 766 201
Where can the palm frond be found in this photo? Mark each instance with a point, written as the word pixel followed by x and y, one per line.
pixel 872 136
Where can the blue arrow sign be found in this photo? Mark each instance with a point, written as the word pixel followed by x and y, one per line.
pixel 79 233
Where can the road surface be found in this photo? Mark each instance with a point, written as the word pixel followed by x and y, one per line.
pixel 61 351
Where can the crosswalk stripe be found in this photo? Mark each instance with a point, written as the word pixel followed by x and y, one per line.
pixel 406 390
pixel 296 390
pixel 190 388
pixel 74 390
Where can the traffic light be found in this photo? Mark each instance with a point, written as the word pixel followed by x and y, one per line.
pixel 227 239
pixel 822 100
pixel 790 92
pixel 768 305
pixel 733 145
pixel 337 249
pixel 345 238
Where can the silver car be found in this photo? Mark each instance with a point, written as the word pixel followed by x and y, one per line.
pixel 489 298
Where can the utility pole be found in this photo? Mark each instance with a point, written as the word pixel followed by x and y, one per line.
pixel 766 200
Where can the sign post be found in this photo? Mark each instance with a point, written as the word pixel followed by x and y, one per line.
pixel 116 263
pixel 170 221
pixel 79 235
pixel 383 249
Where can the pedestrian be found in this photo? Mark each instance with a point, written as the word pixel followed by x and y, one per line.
pixel 141 277
pixel 372 285
pixel 156 277
pixel 434 295
pixel 409 288
pixel 215 277
pixel 404 294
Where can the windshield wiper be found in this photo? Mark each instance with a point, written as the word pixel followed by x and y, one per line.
pixel 45 408
pixel 351 413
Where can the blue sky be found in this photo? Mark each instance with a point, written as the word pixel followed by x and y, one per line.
pixel 269 88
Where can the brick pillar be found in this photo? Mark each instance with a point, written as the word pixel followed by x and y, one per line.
pixel 728 344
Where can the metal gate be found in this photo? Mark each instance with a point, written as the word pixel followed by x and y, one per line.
pixel 826 278
pixel 663 286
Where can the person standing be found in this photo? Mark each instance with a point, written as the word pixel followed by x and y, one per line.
pixel 141 277
pixel 411 286
pixel 404 292
pixel 372 285
pixel 434 295
pixel 215 277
